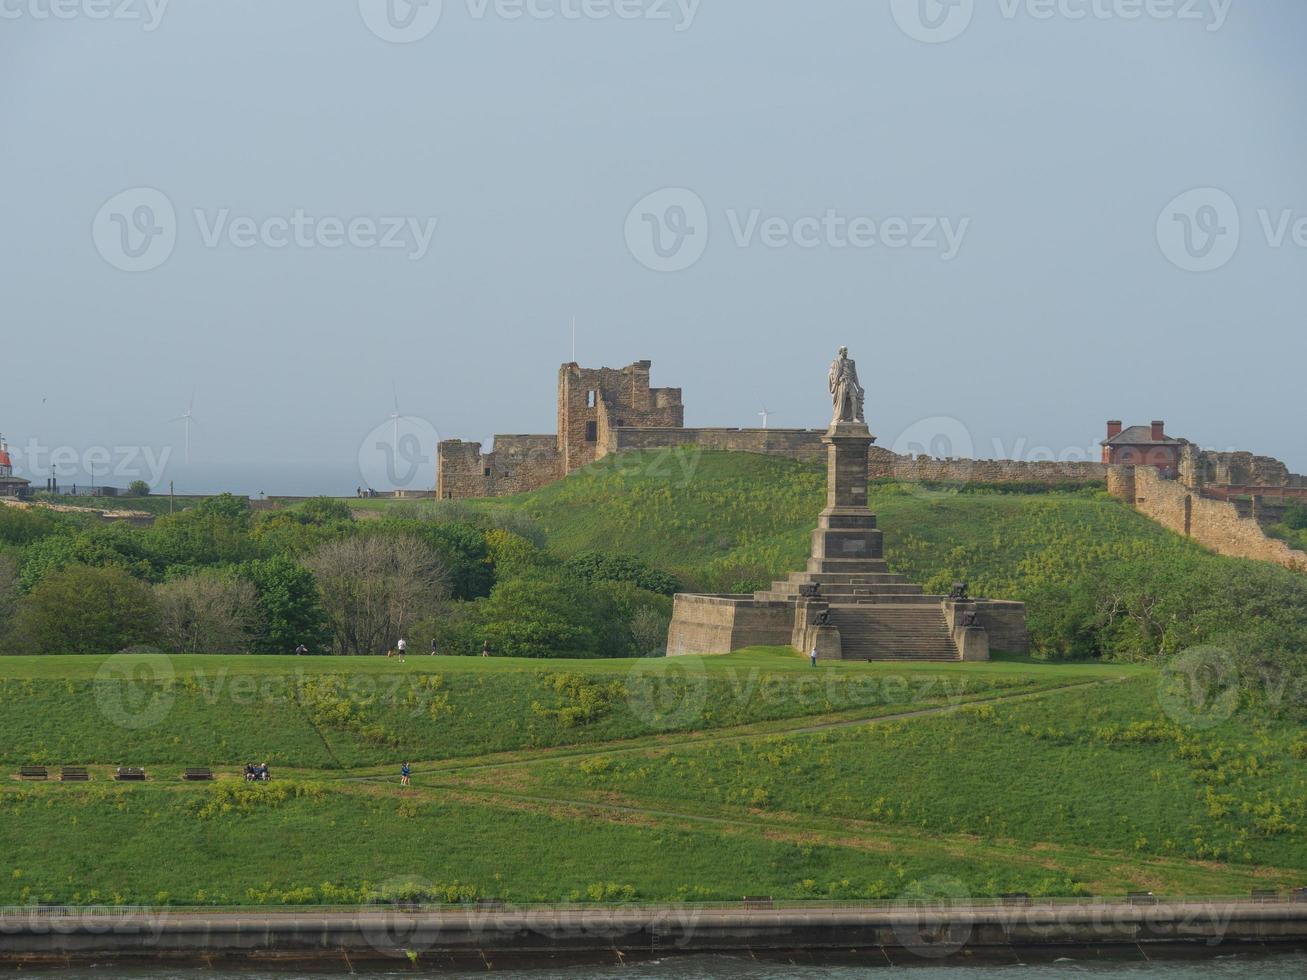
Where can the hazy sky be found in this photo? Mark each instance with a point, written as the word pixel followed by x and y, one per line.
pixel 287 208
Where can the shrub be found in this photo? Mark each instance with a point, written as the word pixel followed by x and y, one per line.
pixel 85 610
pixel 595 567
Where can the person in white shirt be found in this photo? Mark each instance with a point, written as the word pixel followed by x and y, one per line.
pixel 403 648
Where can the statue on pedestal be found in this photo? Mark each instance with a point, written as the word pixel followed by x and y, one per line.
pixel 845 391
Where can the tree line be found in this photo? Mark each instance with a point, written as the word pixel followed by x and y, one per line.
pixel 218 578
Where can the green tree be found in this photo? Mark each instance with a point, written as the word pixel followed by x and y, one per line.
pixel 595 567
pixel 290 605
pixel 214 532
pixel 462 547
pixel 543 614
pixel 8 590
pixel 99 545
pixel 80 609
pixel 138 488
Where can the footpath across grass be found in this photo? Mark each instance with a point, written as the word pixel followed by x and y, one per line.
pixel 340 713
pixel 692 780
pixel 1102 766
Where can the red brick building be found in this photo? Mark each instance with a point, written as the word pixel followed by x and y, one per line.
pixel 1143 445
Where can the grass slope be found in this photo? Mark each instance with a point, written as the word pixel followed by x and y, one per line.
pixel 1009 776
pixel 1102 765
pixel 332 714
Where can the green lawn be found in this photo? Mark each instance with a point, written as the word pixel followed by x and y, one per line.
pixel 333 713
pixel 1102 765
pixel 304 843
pixel 533 786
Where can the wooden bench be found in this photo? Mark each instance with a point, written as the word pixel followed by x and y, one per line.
pixel 755 902
pixel 74 774
pixel 1141 898
pixel 197 775
pixel 1265 895
pixel 129 774
pixel 33 772
pixel 1298 895
pixel 1016 898
pixel 491 903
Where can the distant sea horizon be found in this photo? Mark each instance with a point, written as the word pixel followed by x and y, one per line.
pixel 250 480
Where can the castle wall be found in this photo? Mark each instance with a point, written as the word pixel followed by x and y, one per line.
pixel 1215 524
pixel 517 464
pixel 800 444
pixel 805 446
pixel 885 465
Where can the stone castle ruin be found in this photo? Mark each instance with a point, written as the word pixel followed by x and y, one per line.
pixel 847 605
pixel 1220 499
pixel 602 411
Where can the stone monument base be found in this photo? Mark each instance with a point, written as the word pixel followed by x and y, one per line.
pixel 847 604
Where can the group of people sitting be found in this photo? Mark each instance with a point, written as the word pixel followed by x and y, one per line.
pixel 257 772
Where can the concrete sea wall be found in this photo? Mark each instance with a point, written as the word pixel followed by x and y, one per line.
pixel 897 935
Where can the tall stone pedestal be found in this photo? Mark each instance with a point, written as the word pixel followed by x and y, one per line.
pixel 846 539
pixel 847 604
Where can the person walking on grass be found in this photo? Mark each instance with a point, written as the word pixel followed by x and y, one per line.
pixel 814 656
pixel 403 649
pixel 435 650
pixel 404 773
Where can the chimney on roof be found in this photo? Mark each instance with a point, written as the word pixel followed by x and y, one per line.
pixel 1159 431
pixel 1113 429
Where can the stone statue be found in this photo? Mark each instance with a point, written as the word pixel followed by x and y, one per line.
pixel 845 391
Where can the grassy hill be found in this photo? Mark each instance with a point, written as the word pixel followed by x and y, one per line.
pixel 1099 579
pixel 705 779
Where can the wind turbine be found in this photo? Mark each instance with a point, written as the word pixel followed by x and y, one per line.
pixel 189 419
pixel 764 415
pixel 396 417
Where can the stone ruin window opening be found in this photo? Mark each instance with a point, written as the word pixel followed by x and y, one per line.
pixel 487 472
pixel 592 432
pixel 591 398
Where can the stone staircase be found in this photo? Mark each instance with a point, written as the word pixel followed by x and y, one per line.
pixel 893 631
pixel 846 587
